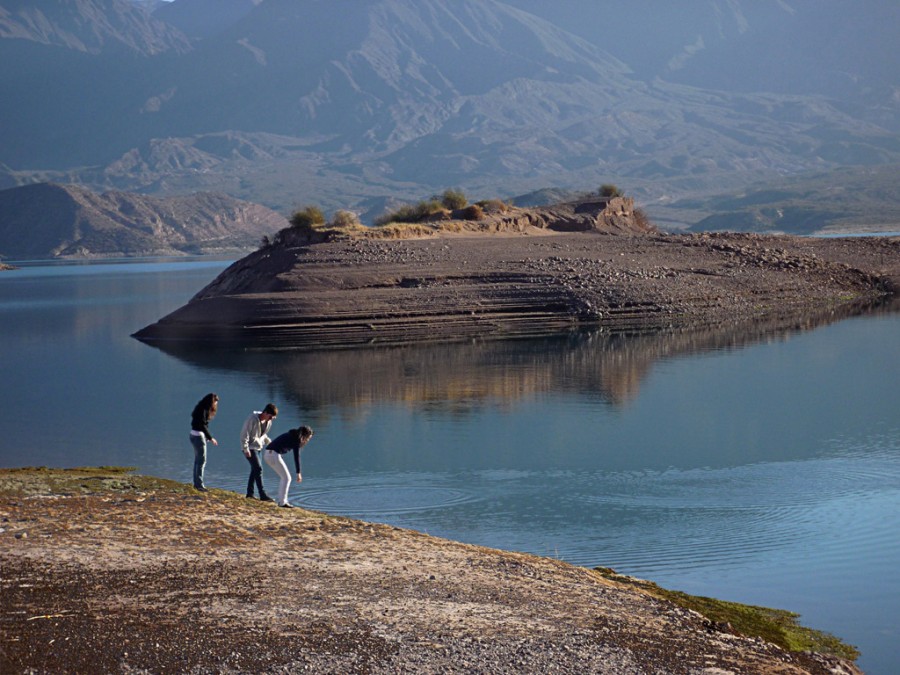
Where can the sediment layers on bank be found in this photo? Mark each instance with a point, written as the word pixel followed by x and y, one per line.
pixel 444 287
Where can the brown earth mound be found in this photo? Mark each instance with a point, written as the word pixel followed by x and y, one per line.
pixel 521 274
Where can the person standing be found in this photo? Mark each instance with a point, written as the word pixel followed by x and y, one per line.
pixel 254 437
pixel 294 440
pixel 203 412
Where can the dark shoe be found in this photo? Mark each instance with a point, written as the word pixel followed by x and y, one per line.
pixel 200 488
pixel 250 497
pixel 286 506
pixel 266 498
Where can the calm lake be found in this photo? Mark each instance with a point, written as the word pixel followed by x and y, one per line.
pixel 761 467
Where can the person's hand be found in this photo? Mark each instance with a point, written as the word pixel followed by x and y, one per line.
pixel 299 478
pixel 214 441
pixel 247 454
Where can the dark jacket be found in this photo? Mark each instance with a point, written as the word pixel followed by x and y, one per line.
pixel 200 420
pixel 286 442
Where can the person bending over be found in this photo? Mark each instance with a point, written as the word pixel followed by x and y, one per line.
pixel 294 440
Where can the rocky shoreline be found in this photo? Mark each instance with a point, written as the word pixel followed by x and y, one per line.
pixel 528 274
pixel 105 571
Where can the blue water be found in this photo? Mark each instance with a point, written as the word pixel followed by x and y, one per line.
pixel 763 469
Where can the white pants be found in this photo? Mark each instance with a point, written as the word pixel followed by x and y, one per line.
pixel 276 461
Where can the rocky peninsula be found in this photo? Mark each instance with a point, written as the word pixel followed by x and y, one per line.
pixel 106 571
pixel 518 273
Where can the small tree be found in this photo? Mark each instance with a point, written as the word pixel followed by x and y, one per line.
pixel 454 199
pixel 608 191
pixel 308 217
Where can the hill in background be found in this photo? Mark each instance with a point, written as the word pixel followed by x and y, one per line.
pixel 853 199
pixel 69 221
pixel 348 104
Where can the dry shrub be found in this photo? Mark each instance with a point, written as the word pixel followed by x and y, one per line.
pixel 399 231
pixel 493 206
pixel 451 226
pixel 411 213
pixel 344 218
pixel 609 191
pixel 473 212
pixel 642 220
pixel 454 200
pixel 308 217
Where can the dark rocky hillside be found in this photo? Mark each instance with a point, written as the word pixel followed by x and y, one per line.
pixel 51 221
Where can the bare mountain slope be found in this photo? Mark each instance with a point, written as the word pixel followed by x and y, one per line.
pixel 401 98
pixel 841 50
pixel 46 220
pixel 92 26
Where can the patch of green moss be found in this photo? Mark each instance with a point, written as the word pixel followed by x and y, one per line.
pixel 777 626
pixel 31 481
pixel 42 480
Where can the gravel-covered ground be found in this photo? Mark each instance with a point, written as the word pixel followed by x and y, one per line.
pixel 108 572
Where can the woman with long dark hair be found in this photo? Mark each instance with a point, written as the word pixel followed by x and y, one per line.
pixel 293 440
pixel 204 411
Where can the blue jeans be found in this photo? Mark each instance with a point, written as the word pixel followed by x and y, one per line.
pixel 199 443
pixel 255 475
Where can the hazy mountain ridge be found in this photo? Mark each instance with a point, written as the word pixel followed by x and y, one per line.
pixel 70 221
pixel 201 19
pixel 398 98
pixel 92 26
pixel 849 199
pixel 808 47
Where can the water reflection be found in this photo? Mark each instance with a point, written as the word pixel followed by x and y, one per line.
pixel 608 367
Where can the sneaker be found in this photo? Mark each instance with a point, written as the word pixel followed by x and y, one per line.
pixel 250 497
pixel 200 488
pixel 286 506
pixel 266 498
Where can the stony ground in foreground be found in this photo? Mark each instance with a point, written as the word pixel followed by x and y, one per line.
pixel 107 572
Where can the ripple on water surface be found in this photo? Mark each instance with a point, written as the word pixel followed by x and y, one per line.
pixel 383 501
pixel 730 516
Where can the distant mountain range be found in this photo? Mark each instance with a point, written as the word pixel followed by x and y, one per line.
pixel 852 199
pixel 349 103
pixel 49 221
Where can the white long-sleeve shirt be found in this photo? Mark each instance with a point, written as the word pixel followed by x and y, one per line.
pixel 255 433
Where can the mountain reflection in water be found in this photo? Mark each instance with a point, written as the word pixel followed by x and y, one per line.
pixel 606 366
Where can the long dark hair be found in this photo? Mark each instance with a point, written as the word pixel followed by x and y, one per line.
pixel 302 434
pixel 210 403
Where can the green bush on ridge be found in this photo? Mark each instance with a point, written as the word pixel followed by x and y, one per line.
pixel 454 200
pixel 608 191
pixel 307 217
